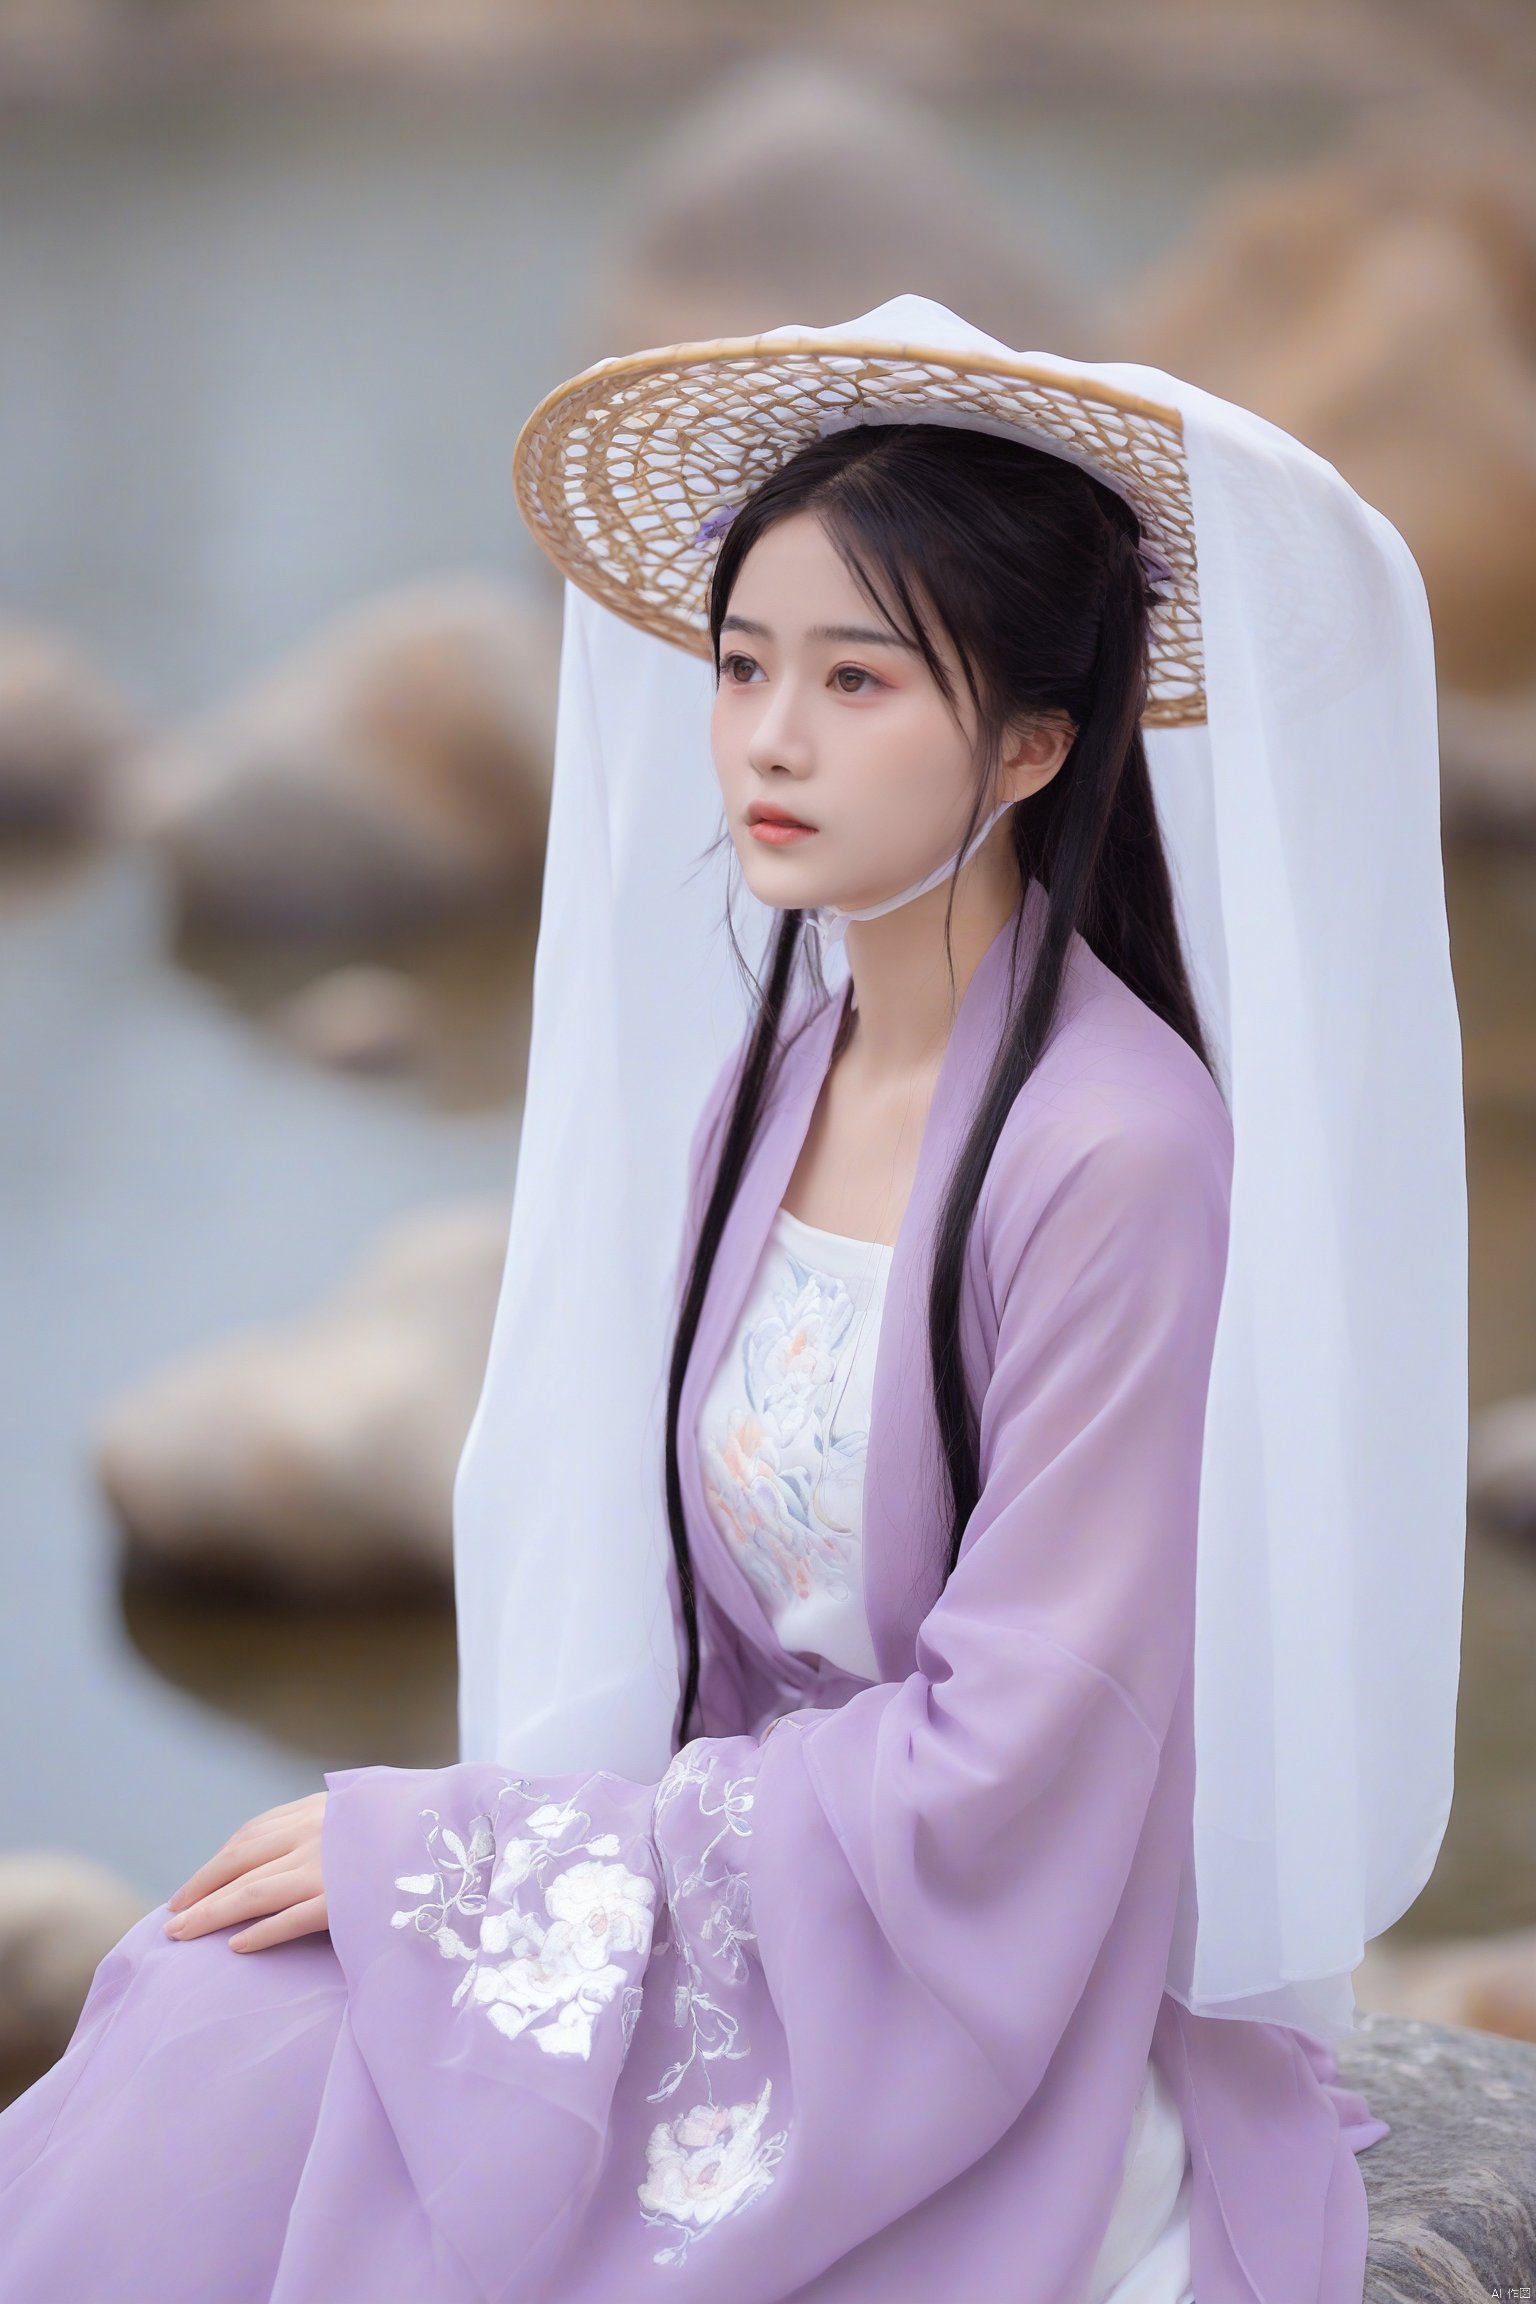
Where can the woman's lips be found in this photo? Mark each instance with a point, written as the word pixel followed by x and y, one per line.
pixel 779 835
pixel 777 828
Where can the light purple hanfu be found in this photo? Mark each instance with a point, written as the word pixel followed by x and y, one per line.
pixel 852 2008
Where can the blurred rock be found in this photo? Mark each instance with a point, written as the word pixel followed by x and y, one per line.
pixel 59 1918
pixel 1381 305
pixel 316 1460
pixel 395 771
pixel 799 192
pixel 62 728
pixel 357 1019
pixel 1451 2192
pixel 1488 763
pixel 1487 1982
pixel 1501 1464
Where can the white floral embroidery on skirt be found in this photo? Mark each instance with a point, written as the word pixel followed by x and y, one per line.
pixel 710 2161
pixel 707 2163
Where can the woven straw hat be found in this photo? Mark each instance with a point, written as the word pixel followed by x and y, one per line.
pixel 628 473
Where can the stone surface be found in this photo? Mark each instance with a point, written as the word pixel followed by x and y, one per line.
pixel 1381 305
pixel 62 729
pixel 59 1917
pixel 316 1461
pixel 396 770
pixel 794 191
pixel 1452 2190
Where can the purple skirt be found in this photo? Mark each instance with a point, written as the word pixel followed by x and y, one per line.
pixel 495 2081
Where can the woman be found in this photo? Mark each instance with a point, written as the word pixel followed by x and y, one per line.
pixel 910 1974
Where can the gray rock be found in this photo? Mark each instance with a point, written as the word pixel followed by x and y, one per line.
pixel 63 728
pixel 1310 296
pixel 1488 762
pixel 360 1018
pixel 1452 2190
pixel 1501 1464
pixel 60 1916
pixel 396 770
pixel 315 1461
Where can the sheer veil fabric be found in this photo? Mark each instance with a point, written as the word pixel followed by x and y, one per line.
pixel 1302 825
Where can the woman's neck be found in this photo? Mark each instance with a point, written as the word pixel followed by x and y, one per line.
pixel 904 1001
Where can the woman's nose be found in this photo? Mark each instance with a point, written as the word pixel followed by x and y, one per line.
pixel 779 738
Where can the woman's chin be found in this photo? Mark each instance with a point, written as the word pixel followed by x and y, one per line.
pixel 778 884
pixel 774 879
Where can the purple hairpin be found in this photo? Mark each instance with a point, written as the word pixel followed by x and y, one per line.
pixel 1157 571
pixel 712 529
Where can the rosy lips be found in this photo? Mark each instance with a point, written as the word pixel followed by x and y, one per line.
pixel 779 835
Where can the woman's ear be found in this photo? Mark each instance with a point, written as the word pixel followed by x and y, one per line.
pixel 1032 751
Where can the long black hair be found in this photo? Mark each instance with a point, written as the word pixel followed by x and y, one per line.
pixel 1029 566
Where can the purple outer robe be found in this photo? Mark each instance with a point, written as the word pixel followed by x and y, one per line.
pixel 850 2009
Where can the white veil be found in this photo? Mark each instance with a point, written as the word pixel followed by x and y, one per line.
pixel 1302 827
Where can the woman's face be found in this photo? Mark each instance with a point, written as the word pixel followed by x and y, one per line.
pixel 825 715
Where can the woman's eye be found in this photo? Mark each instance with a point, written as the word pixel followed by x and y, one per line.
pixel 852 678
pixel 737 669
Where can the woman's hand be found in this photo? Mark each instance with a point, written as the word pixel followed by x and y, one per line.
pixel 267 1872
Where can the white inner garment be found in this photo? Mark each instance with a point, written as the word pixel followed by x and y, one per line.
pixel 783 1432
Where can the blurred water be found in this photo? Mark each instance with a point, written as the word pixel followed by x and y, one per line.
pixel 258 359
pixel 167 1174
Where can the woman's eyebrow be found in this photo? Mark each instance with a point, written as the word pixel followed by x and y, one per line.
pixel 864 635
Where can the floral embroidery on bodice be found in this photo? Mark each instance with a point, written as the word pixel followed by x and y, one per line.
pixel 783 1434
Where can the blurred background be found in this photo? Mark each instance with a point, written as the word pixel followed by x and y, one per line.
pixel 278 285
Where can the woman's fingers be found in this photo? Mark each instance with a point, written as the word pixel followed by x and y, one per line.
pixel 287 1810
pixel 272 1833
pixel 267 1872
pixel 241 1854
pixel 305 1919
pixel 270 1888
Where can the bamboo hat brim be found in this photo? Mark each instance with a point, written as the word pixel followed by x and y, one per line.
pixel 627 472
